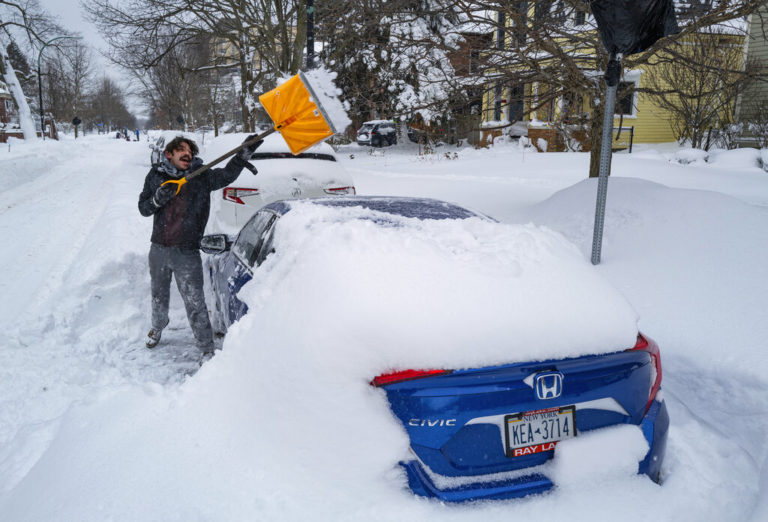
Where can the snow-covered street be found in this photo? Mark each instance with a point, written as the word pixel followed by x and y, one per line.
pixel 93 426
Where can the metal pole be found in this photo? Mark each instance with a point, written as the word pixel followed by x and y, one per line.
pixel 612 75
pixel 310 34
pixel 40 79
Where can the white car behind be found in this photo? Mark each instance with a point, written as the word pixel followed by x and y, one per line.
pixel 281 175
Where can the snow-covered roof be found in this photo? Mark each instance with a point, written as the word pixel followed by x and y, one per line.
pixel 376 122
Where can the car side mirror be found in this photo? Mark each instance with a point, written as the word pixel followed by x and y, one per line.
pixel 215 244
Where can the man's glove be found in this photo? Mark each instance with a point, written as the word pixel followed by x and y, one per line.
pixel 163 194
pixel 246 152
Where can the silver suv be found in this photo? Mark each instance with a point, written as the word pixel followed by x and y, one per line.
pixel 377 133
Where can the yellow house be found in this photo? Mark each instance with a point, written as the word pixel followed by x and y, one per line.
pixel 527 106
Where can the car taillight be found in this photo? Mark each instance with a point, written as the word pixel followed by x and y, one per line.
pixel 234 194
pixel 406 375
pixel 648 345
pixel 341 191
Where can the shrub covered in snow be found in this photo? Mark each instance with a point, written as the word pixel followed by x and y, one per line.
pixel 689 156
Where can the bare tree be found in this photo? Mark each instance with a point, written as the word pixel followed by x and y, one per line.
pixel 68 78
pixel 263 39
pixel 701 91
pixel 107 106
pixel 757 121
pixel 26 18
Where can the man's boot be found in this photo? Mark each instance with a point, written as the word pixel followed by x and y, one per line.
pixel 153 337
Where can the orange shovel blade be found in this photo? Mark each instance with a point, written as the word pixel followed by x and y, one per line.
pixel 298 119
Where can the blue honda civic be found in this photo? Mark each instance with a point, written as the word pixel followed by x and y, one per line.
pixel 482 433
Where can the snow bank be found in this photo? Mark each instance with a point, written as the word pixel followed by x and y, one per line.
pixel 284 419
pixel 656 234
pixel 737 158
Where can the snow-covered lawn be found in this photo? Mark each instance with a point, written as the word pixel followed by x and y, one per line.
pixel 93 426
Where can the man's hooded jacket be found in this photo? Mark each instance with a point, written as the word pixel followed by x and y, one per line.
pixel 181 222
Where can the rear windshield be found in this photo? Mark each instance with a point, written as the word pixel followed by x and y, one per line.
pixel 288 155
pixel 410 208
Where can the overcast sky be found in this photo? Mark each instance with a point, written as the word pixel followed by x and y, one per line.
pixel 68 13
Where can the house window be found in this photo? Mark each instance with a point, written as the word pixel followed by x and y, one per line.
pixel 500 31
pixel 516 106
pixel 497 103
pixel 580 18
pixel 541 11
pixel 625 99
pixel 474 61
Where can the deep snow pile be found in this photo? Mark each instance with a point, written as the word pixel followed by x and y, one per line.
pixel 434 293
pixel 282 424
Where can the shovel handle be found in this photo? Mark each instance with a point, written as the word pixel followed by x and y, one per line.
pixel 224 156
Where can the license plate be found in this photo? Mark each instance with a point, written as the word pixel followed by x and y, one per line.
pixel 536 431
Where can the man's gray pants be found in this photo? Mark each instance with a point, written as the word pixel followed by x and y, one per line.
pixel 187 268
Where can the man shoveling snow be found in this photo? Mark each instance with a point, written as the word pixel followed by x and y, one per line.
pixel 180 215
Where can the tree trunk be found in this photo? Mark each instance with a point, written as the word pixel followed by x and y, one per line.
pixel 25 115
pixel 301 39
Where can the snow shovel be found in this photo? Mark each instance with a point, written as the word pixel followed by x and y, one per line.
pixel 297 114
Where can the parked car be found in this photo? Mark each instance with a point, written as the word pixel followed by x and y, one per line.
pixel 476 433
pixel 313 173
pixel 377 133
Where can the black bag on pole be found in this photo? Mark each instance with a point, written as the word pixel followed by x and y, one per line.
pixel 632 26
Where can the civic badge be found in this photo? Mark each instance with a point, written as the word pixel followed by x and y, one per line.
pixel 548 385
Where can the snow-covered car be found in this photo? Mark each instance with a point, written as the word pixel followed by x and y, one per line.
pixel 499 349
pixel 377 133
pixel 281 175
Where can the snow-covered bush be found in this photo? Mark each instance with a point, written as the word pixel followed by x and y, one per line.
pixel 737 158
pixel 690 156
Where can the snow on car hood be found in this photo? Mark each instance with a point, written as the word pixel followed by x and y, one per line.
pixel 434 293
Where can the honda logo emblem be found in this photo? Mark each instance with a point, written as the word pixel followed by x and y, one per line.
pixel 549 385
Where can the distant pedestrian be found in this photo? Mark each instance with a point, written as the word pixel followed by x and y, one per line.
pixel 138 137
pixel 179 222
